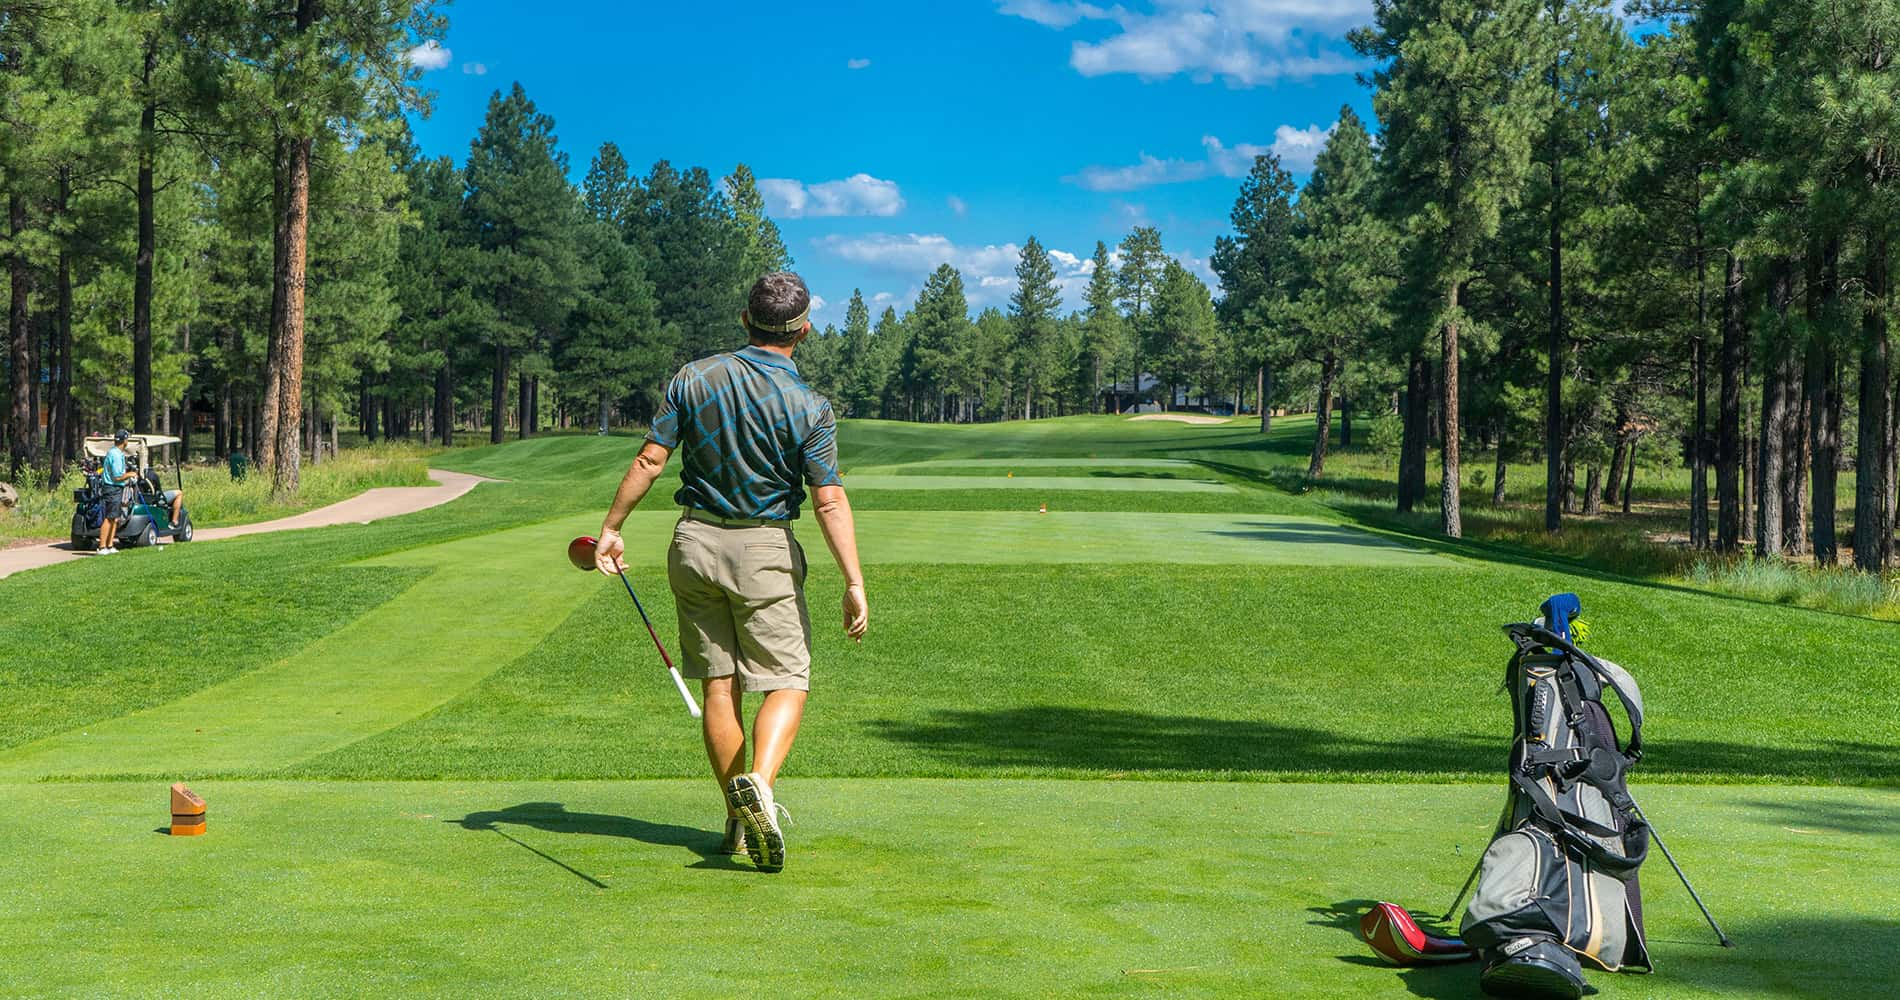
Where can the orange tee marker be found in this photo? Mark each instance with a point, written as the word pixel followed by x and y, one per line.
pixel 188 812
pixel 1044 509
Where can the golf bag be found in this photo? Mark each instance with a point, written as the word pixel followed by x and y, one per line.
pixel 1559 880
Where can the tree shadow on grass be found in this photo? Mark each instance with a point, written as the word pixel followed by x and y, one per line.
pixel 1297 533
pixel 553 817
pixel 1838 817
pixel 1120 740
pixel 1126 741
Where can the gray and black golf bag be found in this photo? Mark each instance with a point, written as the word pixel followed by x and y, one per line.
pixel 1558 882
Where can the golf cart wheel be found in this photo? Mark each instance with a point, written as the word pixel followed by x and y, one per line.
pixel 147 538
pixel 81 541
pixel 184 530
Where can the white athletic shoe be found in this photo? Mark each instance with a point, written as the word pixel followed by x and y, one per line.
pixel 107 552
pixel 734 842
pixel 750 797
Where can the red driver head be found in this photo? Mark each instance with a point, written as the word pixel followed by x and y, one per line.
pixel 580 552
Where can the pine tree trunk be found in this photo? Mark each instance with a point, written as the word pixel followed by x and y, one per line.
pixel 1412 446
pixel 603 414
pixel 1345 422
pixel 147 251
pixel 1774 419
pixel 1263 388
pixel 1823 379
pixel 1451 514
pixel 1795 463
pixel 295 221
pixel 1554 441
pixel 498 395
pixel 1503 468
pixel 1872 538
pixel 221 425
pixel 1593 491
pixel 1728 456
pixel 1699 439
pixel 20 418
pixel 1614 480
pixel 1323 420
pixel 524 417
pixel 445 405
pixel 59 429
pixel 264 443
pixel 1629 482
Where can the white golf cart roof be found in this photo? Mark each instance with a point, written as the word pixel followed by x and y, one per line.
pixel 138 444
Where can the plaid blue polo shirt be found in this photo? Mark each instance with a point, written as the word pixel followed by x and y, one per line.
pixel 750 434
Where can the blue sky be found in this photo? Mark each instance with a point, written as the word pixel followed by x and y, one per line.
pixel 891 137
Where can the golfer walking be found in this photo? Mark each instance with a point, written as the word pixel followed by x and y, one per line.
pixel 751 435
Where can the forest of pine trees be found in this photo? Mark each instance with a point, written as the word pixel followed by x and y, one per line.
pixel 1576 233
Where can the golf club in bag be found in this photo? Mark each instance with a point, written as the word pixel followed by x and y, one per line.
pixel 1558 882
pixel 580 552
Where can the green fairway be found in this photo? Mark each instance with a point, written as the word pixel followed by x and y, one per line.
pixel 902 888
pixel 384 718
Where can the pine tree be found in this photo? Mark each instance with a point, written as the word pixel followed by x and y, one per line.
pixel 1032 308
pixel 1102 337
pixel 610 193
pixel 763 249
pixel 1136 282
pixel 521 214
pixel 614 342
pixel 1347 258
pixel 862 380
pixel 1183 334
pixel 1257 270
pixel 939 323
pixel 1458 114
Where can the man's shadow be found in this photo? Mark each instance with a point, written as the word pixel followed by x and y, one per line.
pixel 553 817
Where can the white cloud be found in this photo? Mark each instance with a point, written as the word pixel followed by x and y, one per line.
pixel 1052 13
pixel 475 68
pixel 817 303
pixel 1295 147
pixel 430 55
pixel 957 205
pixel 1243 42
pixel 857 64
pixel 989 271
pixel 859 194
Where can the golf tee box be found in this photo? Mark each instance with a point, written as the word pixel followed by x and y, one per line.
pixel 188 812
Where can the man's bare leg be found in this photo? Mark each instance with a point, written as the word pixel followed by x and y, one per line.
pixel 773 731
pixel 724 730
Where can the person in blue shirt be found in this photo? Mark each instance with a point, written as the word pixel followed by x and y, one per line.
pixel 752 436
pixel 117 474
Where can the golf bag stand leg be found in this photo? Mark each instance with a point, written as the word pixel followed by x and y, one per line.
pixel 1706 915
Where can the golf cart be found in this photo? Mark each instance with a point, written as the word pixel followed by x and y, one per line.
pixel 145 513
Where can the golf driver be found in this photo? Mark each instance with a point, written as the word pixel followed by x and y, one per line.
pixel 580 552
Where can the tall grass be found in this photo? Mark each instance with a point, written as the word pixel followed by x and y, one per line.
pixel 214 498
pixel 1840 590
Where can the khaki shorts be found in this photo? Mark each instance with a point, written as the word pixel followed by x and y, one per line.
pixel 740 593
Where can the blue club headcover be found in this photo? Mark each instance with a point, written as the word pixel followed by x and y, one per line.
pixel 1559 611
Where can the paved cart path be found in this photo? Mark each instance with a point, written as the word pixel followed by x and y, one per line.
pixel 370 505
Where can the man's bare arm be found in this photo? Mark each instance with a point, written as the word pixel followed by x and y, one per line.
pixel 646 468
pixel 841 536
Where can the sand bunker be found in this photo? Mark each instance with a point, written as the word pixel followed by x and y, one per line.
pixel 1199 419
